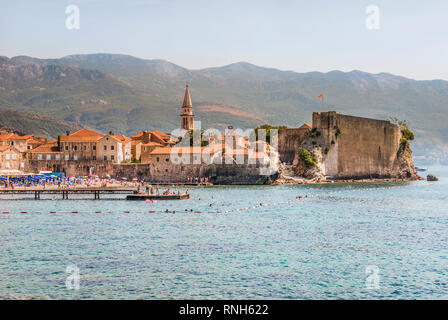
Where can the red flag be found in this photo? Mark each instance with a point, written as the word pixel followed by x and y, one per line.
pixel 320 96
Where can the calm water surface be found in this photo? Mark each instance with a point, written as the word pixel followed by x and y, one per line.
pixel 313 248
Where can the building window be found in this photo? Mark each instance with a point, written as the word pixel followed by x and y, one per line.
pixel 84 148
pixel 105 147
pixel 28 147
pixel 39 157
pixel 112 148
pixel 158 159
pixel 105 157
pixel 75 158
pixel 22 164
pixel 7 156
pixel 14 156
pixel 167 159
pixel 94 148
pixel 48 156
pixel 66 148
pixel 67 157
pixel 12 143
pixel 7 164
pixel 94 157
pixel 58 157
pixel 112 157
pixel 75 148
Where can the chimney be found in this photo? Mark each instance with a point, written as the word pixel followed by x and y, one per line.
pixel 111 133
pixel 67 132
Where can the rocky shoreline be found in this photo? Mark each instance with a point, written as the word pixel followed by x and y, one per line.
pixel 285 181
pixel 287 176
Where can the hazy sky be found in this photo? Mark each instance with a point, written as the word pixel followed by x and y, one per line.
pixel 296 35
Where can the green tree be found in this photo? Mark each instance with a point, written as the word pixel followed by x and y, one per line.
pixel 268 129
pixel 404 128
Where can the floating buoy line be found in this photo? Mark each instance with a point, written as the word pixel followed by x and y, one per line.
pixel 260 205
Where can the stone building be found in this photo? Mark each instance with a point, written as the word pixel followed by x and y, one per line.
pixel 48 151
pixel 21 143
pixel 146 141
pixel 11 158
pixel 86 145
pixel 136 150
pixel 79 145
pixel 116 148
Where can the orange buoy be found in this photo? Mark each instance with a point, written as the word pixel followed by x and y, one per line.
pixel 127 212
pixel 52 211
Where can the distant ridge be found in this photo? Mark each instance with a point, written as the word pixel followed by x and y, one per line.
pixel 29 123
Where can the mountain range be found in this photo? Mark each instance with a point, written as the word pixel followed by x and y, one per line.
pixel 127 94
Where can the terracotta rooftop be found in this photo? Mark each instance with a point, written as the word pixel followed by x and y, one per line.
pixel 3 148
pixel 155 135
pixel 82 135
pixel 122 138
pixel 151 144
pixel 306 125
pixel 13 136
pixel 35 141
pixel 46 148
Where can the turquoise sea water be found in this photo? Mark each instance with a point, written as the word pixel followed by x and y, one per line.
pixel 313 248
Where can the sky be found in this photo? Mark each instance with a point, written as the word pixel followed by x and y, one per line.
pixel 406 37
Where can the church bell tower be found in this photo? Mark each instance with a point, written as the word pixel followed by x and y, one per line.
pixel 187 117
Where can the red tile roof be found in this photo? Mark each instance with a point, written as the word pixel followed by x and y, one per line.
pixel 157 135
pixel 46 148
pixel 13 136
pixel 82 135
pixel 3 148
pixel 306 125
pixel 122 138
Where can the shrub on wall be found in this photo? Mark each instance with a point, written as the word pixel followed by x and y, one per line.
pixel 338 132
pixel 327 149
pixel 407 134
pixel 404 128
pixel 308 159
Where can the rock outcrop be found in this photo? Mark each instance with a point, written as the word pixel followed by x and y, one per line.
pixel 431 177
pixel 404 167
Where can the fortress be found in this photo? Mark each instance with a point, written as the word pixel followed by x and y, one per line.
pixel 348 147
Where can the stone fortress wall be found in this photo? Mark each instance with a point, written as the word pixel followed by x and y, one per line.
pixel 157 172
pixel 289 140
pixel 355 147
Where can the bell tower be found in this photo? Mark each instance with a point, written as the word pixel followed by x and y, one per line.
pixel 187 117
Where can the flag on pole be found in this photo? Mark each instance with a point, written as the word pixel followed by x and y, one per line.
pixel 321 96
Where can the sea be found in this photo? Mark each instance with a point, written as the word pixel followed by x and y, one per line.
pixel 331 241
